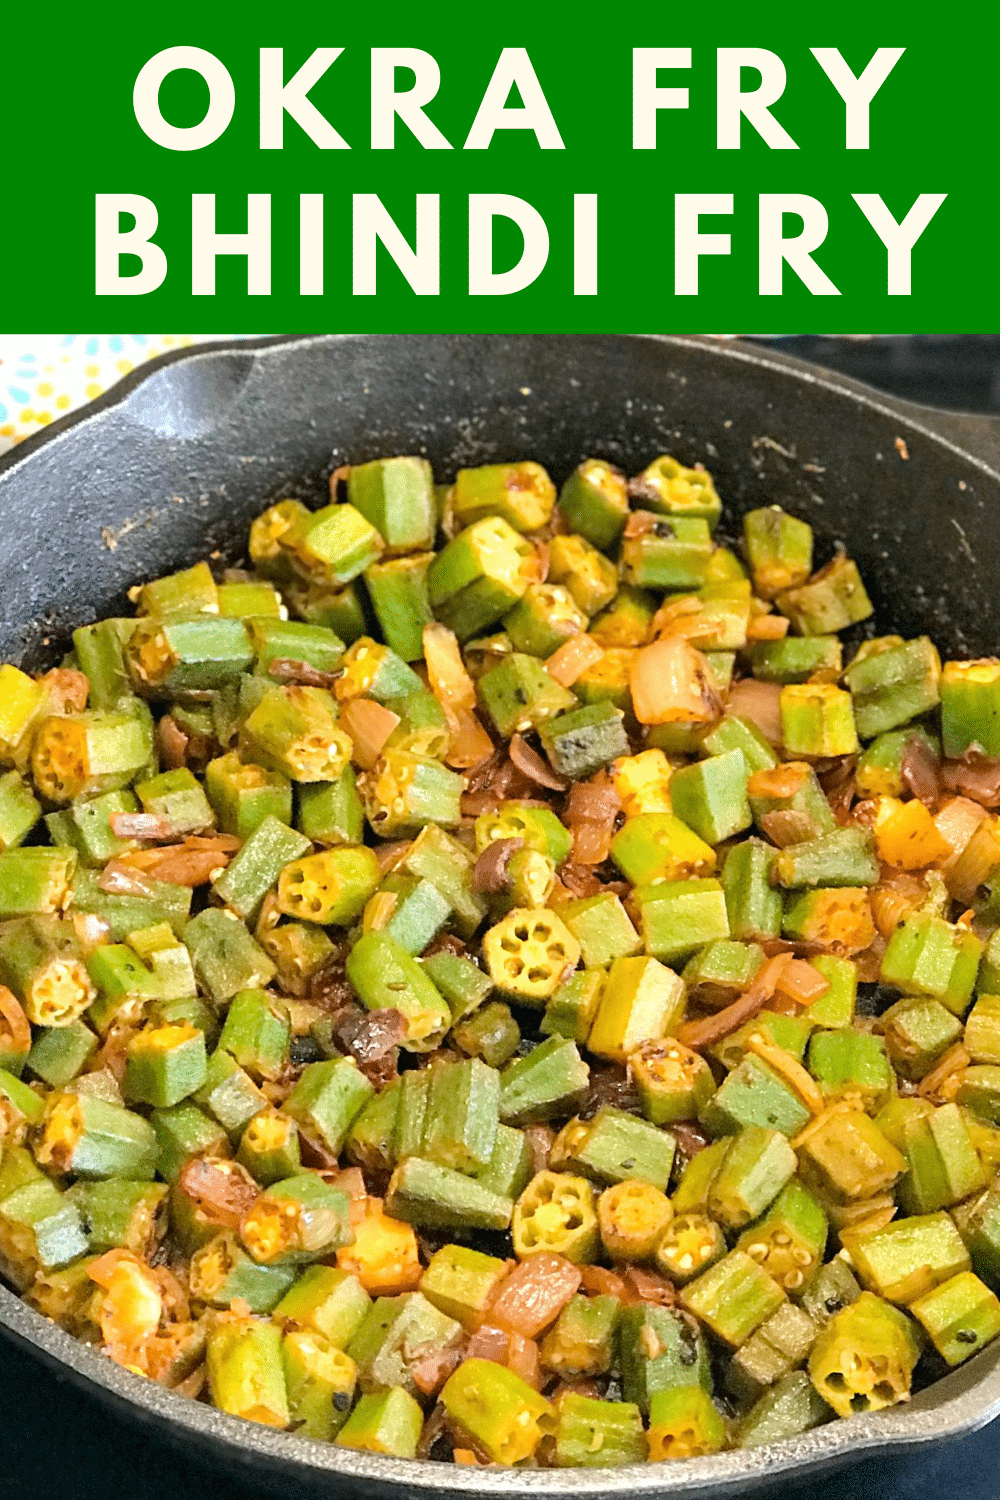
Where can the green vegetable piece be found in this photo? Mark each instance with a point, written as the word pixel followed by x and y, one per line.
pixel 255 869
pixel 178 797
pixel 170 656
pixel 500 1412
pixel 753 906
pixel 100 650
pixel 58 1053
pixel 779 1346
pixel 589 577
pixel 92 1137
pixel 41 1229
pixel 396 496
pixel 734 733
pixel 733 1298
pixel 330 1301
pixel 463 1111
pixel 833 1288
pixel 41 964
pixel 757 1165
pixel 601 926
pixel 294 730
pixel 319 1383
pixel 845 858
pixel 754 1094
pixel 721 971
pixel 182 1132
pixel 597 1434
pixel 331 812
pixel 817 720
pixel 864 1359
pixel 836 1007
pixel 460 1282
pixel 847 1158
pixel 543 619
pixel 462 983
pixel 510 1166
pixel 384 1422
pixel 477 578
pixel 833 599
pixel 257 1032
pixel 386 977
pixel 86 827
pixel 245 1373
pixel 242 794
pixel 537 826
pixel 522 493
pixel 928 956
pixel 519 695
pixel 164 1065
pixel 405 792
pixel 711 796
pixel 580 742
pixel 684 1423
pixel 297 1220
pixel 224 955
pixel 641 1000
pixel 786 1410
pixel 594 501
pixel 571 1010
pixel 434 1197
pixel 490 1033
pixel 673 1083
pixel 120 1213
pixel 583 1340
pixel 790 1240
pixel 229 1094
pixel 327 1098
pixel 399 593
pixel 35 881
pixel 615 1147
pixel 852 1063
pixel 797 659
pixel 19 811
pixel 970 706
pixel 779 549
pixel 331 887
pixel 961 1317
pixel 894 686
pixel 269 1147
pixel 547 1082
pixel 944 1166
pixel 672 553
pixel 917 1033
pixel 907 1258
pixel 677 917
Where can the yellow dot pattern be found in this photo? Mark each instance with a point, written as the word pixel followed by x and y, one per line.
pixel 42 379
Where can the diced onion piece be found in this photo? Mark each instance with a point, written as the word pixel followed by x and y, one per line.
pixel 573 658
pixel 671 684
pixel 369 725
pixel 760 703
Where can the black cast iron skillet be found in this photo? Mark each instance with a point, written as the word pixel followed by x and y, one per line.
pixel 170 466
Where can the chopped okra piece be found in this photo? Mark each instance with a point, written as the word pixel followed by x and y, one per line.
pixel 331 887
pixel 594 501
pixel 711 796
pixel 797 658
pixel 225 957
pixel 790 1407
pixel 945 1167
pixel 409 910
pixel 684 1422
pixel 733 1298
pixel 755 1168
pixel 642 1000
pixel 832 599
pixel 582 1342
pixel 59 1053
pixel 894 686
pixel 86 827
pixel 631 1217
pixel 602 928
pixel 269 1147
pixel 721 971
pixel 596 1434
pixel 386 977
pixel 478 577
pixel 529 953
pixel 42 965
pixel 387 1421
pixel 829 1291
pixel 164 1065
pixel 851 1064
pixel 667 487
pixel 677 917
pixel 82 755
pixel 779 1346
pixel 571 1010
pixel 982 1030
pixel 754 1094
pixel 331 812
pixel 907 1258
pixel 41 1230
pixel 20 810
pixel 94 1138
pixel 245 1373
pixel 556 1213
pixel 327 1098
pixel 836 1007
pixel 667 552
pixel 463 1112
pixel 257 1033
pixel 519 695
pixel 521 493
pixel 537 826
pixel 404 792
pixel 843 858
pixel 790 1239
pixel 495 1410
pixel 547 1082
pixel 299 951
pixel 510 1166
pixel 928 956
pixel 970 706
pixel 654 847
pixel 435 1197
pixel 787 801
pixel 255 869
pixel 674 1083
pixel 863 1360
pixel 615 1147
pixel 319 1383
pixel 396 496
pixel 584 572
pixel 243 794
pixel 171 656
pixel 399 595
pixel 847 1158
pixel 917 1033
pixel 753 906
pixel 689 1244
pixel 490 1033
pixel 837 919
pixel 460 1282
pixel 817 720
pixel 293 730
pixel 961 1316
pixel 296 1220
pixel 734 733
pixel 779 549
pixel 580 743
pixel 460 981
pixel 122 1214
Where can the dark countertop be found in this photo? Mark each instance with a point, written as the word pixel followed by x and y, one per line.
pixel 55 1441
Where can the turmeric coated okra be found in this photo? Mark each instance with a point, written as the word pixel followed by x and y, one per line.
pixel 437 965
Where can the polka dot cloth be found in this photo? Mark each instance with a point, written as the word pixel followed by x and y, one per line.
pixel 43 376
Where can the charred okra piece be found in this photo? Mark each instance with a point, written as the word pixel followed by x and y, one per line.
pixel 660 1350
pixel 863 1360
pixel 833 598
pixel 581 742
